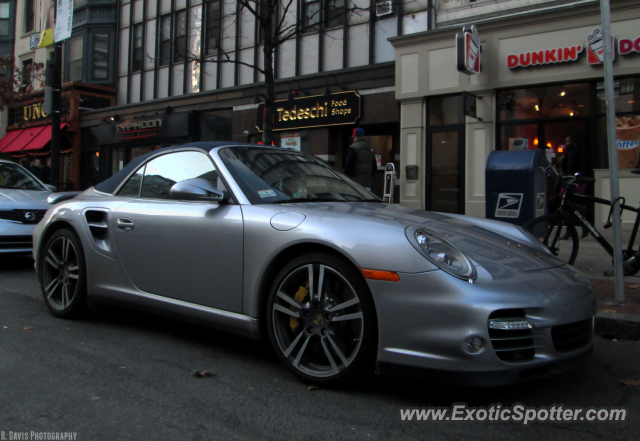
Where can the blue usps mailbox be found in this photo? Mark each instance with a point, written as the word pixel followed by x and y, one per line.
pixel 516 185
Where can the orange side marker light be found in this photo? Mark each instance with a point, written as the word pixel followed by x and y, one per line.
pixel 387 276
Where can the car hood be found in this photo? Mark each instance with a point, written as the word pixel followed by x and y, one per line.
pixel 484 241
pixel 11 199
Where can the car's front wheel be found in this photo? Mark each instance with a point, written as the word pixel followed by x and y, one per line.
pixel 322 321
pixel 63 274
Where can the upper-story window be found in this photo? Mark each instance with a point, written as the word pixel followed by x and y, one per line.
pixel 26 74
pixel 29 15
pixel 4 19
pixel 385 7
pixel 213 27
pixel 76 46
pixel 180 50
pixel 336 13
pixel 136 50
pixel 100 56
pixel 311 14
pixel 164 36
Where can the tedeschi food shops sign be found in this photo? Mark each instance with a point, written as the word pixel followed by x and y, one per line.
pixel 314 111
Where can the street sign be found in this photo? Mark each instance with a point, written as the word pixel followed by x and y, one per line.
pixel 470 105
pixel 64 20
pixel 34 41
pixel 470 102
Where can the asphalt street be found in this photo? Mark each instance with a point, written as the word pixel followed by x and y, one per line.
pixel 126 375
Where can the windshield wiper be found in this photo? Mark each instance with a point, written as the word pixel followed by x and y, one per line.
pixel 290 201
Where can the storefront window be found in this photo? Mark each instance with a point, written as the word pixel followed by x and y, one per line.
pixel 570 100
pixel 520 137
pixel 216 125
pixel 627 96
pixel 445 110
pixel 117 159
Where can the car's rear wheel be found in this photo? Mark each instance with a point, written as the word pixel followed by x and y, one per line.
pixel 322 321
pixel 63 275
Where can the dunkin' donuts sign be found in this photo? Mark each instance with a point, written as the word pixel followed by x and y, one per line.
pixel 594 48
pixel 468 51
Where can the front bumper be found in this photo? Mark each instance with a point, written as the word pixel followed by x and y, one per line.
pixel 425 319
pixel 16 237
pixel 488 378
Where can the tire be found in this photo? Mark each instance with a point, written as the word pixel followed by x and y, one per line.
pixel 63 275
pixel 328 339
pixel 549 230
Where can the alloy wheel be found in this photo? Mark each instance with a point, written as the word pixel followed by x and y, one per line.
pixel 317 320
pixel 60 273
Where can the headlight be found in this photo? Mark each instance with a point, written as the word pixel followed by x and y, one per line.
pixel 441 253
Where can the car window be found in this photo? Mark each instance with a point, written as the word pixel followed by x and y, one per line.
pixel 132 187
pixel 15 177
pixel 269 176
pixel 161 173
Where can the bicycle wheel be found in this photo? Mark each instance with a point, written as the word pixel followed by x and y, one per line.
pixel 551 231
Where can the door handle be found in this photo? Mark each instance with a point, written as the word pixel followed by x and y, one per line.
pixel 124 224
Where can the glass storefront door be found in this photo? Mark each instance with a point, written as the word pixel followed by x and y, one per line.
pixel 445 150
pixel 444 175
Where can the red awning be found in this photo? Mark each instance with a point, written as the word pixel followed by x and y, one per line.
pixel 42 139
pixel 23 139
pixel 8 138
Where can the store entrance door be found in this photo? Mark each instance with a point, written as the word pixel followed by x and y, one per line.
pixel 444 170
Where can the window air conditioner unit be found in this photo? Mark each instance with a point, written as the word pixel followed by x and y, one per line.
pixel 384 8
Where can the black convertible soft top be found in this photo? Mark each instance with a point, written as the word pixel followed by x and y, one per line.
pixel 111 184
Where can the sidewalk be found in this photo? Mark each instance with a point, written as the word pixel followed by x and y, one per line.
pixel 612 320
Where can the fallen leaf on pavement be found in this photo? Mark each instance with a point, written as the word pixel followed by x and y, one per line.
pixel 202 374
pixel 635 286
pixel 250 388
pixel 609 310
pixel 26 328
pixel 313 387
pixel 634 383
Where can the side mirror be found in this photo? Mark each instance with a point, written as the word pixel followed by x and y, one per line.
pixel 197 189
pixel 56 198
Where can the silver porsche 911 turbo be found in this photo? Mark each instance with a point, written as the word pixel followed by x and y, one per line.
pixel 273 243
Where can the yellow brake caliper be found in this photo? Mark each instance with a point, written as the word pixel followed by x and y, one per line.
pixel 300 297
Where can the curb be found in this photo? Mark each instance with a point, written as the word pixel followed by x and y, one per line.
pixel 621 326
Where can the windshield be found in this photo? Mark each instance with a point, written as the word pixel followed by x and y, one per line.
pixel 274 176
pixel 15 177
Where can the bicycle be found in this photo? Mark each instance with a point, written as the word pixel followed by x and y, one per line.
pixel 549 228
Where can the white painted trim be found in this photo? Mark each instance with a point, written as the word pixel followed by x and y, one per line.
pixel 244 107
pixel 378 90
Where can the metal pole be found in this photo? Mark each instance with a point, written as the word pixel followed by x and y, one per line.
pixel 613 149
pixel 55 115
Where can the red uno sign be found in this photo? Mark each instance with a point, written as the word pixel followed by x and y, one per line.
pixel 468 51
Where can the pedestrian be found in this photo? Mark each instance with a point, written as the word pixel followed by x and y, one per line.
pixel 46 172
pixel 361 162
pixel 36 168
pixel 25 163
pixel 572 163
